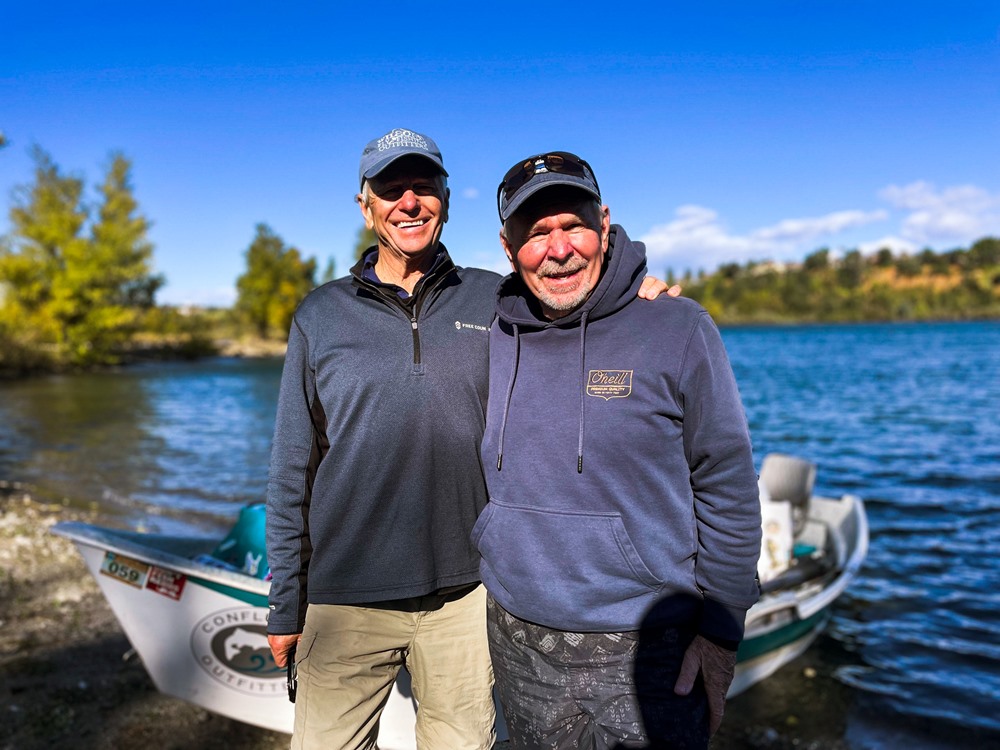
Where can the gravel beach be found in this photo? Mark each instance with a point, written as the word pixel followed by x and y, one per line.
pixel 69 679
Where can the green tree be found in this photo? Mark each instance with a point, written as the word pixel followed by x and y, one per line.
pixel 883 258
pixel 114 283
pixel 817 260
pixel 276 280
pixel 330 272
pixel 985 253
pixel 366 238
pixel 851 269
pixel 81 295
pixel 47 218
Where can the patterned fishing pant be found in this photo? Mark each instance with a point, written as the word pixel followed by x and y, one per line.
pixel 593 691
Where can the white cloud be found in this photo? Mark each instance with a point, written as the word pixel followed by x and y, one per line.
pixel 797 231
pixel 696 236
pixel 470 193
pixel 918 215
pixel 958 215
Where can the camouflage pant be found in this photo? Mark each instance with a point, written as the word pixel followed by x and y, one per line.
pixel 593 691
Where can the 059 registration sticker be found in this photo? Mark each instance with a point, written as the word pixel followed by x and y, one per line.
pixel 125 569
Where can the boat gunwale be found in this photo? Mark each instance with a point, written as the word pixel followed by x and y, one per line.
pixel 131 544
pixel 813 595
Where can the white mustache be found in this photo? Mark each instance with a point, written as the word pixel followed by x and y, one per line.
pixel 554 268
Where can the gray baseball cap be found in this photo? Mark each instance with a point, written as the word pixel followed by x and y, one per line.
pixel 395 144
pixel 530 175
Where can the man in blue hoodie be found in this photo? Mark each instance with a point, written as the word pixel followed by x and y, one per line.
pixel 620 542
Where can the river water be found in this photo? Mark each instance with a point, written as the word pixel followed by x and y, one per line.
pixel 906 416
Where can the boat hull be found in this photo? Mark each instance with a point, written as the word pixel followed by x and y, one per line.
pixel 224 664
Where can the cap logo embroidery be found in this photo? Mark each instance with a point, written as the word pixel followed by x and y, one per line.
pixel 402 138
pixel 609 384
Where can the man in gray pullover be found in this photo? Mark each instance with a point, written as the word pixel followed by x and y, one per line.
pixel 375 480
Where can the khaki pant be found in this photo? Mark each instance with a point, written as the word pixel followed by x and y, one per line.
pixel 349 657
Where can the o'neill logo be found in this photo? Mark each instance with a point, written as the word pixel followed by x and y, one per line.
pixel 609 384
pixel 231 645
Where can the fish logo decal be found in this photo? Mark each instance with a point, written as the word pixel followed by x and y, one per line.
pixel 240 639
pixel 231 646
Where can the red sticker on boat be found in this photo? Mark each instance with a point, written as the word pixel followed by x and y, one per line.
pixel 166 582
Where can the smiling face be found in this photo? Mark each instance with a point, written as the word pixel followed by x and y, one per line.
pixel 557 245
pixel 407 207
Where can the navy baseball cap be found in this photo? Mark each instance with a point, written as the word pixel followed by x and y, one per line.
pixel 530 175
pixel 395 144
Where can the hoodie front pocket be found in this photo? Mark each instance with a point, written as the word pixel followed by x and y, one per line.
pixel 551 561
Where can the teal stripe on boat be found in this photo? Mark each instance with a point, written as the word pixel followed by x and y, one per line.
pixel 754 647
pixel 247 597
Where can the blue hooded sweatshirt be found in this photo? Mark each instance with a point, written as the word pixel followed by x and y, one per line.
pixel 622 488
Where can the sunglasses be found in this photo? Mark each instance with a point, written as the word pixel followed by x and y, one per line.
pixel 560 162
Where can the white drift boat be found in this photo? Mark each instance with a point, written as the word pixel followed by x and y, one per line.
pixel 201 630
pixel 195 609
pixel 813 547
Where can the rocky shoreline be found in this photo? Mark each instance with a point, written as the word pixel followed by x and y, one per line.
pixel 69 678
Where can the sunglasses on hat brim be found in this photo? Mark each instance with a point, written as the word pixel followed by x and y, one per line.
pixel 559 162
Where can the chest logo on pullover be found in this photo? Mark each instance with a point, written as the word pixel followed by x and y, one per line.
pixel 459 325
pixel 609 384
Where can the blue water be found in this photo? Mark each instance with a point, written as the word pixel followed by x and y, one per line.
pixel 907 416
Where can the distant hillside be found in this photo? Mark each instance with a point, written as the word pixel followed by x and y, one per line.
pixel 954 285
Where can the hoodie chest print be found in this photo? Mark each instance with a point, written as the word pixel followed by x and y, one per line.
pixel 609 384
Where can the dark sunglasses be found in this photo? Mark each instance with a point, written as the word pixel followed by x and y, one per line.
pixel 561 162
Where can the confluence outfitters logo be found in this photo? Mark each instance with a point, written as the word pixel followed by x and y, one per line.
pixel 231 645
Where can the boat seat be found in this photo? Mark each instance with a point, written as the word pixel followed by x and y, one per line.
pixel 243 548
pixel 791 479
pixel 804 569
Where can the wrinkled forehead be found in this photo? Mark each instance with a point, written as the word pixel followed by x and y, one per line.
pixel 555 201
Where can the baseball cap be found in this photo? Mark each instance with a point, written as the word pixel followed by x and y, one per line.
pixel 530 175
pixel 395 144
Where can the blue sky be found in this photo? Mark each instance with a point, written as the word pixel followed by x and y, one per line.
pixel 726 132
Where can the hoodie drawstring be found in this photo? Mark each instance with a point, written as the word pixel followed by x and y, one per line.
pixel 510 390
pixel 583 393
pixel 583 389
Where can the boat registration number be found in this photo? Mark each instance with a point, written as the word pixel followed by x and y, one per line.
pixel 125 569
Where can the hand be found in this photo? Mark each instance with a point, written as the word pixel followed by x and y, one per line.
pixel 716 665
pixel 281 645
pixel 652 287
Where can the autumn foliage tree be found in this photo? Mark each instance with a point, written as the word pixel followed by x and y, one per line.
pixel 275 281
pixel 74 293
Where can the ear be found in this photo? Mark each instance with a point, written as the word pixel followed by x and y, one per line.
pixel 511 255
pixel 605 228
pixel 366 211
pixel 444 205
